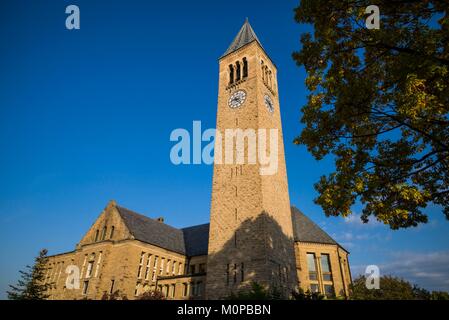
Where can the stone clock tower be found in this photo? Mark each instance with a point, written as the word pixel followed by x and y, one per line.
pixel 251 234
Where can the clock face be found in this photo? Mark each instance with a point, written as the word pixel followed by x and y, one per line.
pixel 237 99
pixel 269 103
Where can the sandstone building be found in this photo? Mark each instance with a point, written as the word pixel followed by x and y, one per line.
pixel 253 235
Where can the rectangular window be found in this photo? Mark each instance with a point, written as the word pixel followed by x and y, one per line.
pixel 192 269
pixel 161 270
pixel 202 268
pixel 326 267
pixel 185 289
pixel 112 232
pixel 111 291
pixel 98 264
pixel 235 272
pixel 199 289
pixel 85 287
pixel 242 272
pixel 314 288
pixel 173 290
pixel 227 274
pixel 329 290
pixel 139 272
pixel 90 266
pixel 168 266
pixel 142 255
pixel 180 268
pixel 173 268
pixel 311 264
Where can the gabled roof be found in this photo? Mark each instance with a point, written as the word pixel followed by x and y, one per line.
pixel 152 231
pixel 245 36
pixel 306 230
pixel 193 241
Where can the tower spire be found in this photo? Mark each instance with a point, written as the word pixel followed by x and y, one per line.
pixel 245 36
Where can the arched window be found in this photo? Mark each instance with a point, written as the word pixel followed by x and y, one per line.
pixel 245 68
pixel 269 80
pixel 103 234
pixel 231 74
pixel 96 235
pixel 266 75
pixel 237 69
pixel 263 70
pixel 112 232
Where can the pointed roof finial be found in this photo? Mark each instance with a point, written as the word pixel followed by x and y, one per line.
pixel 245 36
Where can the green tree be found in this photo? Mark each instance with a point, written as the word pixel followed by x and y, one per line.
pixel 379 104
pixel 31 285
pixel 152 295
pixel 307 295
pixel 257 292
pixel 393 288
pixel 116 295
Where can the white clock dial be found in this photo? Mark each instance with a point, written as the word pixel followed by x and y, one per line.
pixel 269 103
pixel 237 99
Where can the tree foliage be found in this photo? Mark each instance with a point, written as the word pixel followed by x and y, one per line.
pixel 257 292
pixel 152 295
pixel 307 295
pixel 379 104
pixel 393 288
pixel 116 295
pixel 31 285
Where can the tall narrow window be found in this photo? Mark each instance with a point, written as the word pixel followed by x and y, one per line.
pixel 85 287
pixel 103 234
pixel 111 290
pixel 186 289
pixel 90 266
pixel 161 269
pixel 237 71
pixel 326 267
pixel 112 232
pixel 97 233
pixel 245 68
pixel 231 74
pixel 235 272
pixel 311 264
pixel 98 264
pixel 242 272
pixel 227 274
pixel 168 266
pixel 263 70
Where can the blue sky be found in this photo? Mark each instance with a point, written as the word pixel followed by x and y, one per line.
pixel 86 116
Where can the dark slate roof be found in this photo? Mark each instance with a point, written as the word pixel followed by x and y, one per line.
pixel 152 231
pixel 193 241
pixel 190 241
pixel 245 36
pixel 306 230
pixel 196 239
